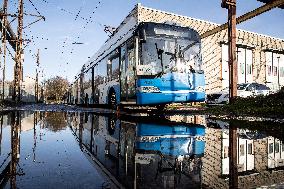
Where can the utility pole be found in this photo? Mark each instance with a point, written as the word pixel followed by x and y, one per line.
pixel 233 69
pixel 19 54
pixel 15 146
pixel 231 6
pixel 36 80
pixel 4 50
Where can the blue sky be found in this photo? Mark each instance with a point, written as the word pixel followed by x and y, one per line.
pixel 54 37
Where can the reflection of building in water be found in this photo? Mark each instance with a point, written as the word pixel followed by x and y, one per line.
pixel 27 122
pixel 275 151
pixel 245 153
pixel 260 158
pixel 147 155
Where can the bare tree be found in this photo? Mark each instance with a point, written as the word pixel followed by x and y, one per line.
pixel 56 88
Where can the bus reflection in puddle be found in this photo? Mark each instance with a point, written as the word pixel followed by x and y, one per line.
pixel 158 155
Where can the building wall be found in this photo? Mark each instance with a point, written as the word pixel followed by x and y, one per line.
pixel 212 160
pixel 7 90
pixel 263 176
pixel 211 46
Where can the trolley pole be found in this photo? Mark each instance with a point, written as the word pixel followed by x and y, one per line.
pixel 36 80
pixel 19 55
pixel 233 68
pixel 4 22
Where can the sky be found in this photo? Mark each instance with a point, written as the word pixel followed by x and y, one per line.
pixel 81 21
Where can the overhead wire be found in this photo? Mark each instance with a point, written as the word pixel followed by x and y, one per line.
pixel 33 39
pixel 35 7
pixel 87 21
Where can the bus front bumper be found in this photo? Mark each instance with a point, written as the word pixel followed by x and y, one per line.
pixel 169 97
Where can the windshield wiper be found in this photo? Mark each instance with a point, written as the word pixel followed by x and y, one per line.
pixel 173 58
pixel 160 53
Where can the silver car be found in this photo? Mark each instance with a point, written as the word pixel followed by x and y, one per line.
pixel 252 89
pixel 243 90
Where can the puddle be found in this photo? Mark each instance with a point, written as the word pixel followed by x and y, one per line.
pixel 87 150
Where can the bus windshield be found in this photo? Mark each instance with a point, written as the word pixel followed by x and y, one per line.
pixel 171 52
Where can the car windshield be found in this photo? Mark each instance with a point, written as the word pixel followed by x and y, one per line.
pixel 164 54
pixel 242 86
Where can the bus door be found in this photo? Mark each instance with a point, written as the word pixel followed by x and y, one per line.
pixel 127 68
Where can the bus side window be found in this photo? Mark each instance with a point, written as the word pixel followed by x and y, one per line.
pixel 102 72
pixel 122 59
pixel 96 83
pixel 109 70
pixel 115 68
pixel 123 71
pixel 130 55
pixel 131 70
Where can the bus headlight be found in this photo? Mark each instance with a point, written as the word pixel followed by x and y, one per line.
pixel 148 89
pixel 200 89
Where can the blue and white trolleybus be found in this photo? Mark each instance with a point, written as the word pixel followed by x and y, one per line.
pixel 147 64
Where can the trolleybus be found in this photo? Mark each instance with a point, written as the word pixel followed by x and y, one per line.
pixel 148 64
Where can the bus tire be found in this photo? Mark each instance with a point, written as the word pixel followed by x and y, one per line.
pixel 112 100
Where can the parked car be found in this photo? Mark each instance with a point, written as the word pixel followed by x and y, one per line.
pixel 243 90
pixel 221 97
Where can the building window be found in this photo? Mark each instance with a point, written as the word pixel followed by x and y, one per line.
pixel 269 71
pixel 275 71
pixel 249 70
pixel 270 148
pixel 245 61
pixel 226 151
pixel 242 67
pixel 281 72
pixel 250 148
pixel 242 150
pixel 277 146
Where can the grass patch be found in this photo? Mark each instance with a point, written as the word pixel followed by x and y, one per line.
pixel 268 106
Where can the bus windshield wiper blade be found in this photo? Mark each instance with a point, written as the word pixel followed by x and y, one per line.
pixel 159 74
pixel 160 53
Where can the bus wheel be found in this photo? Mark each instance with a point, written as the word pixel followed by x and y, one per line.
pixel 112 100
